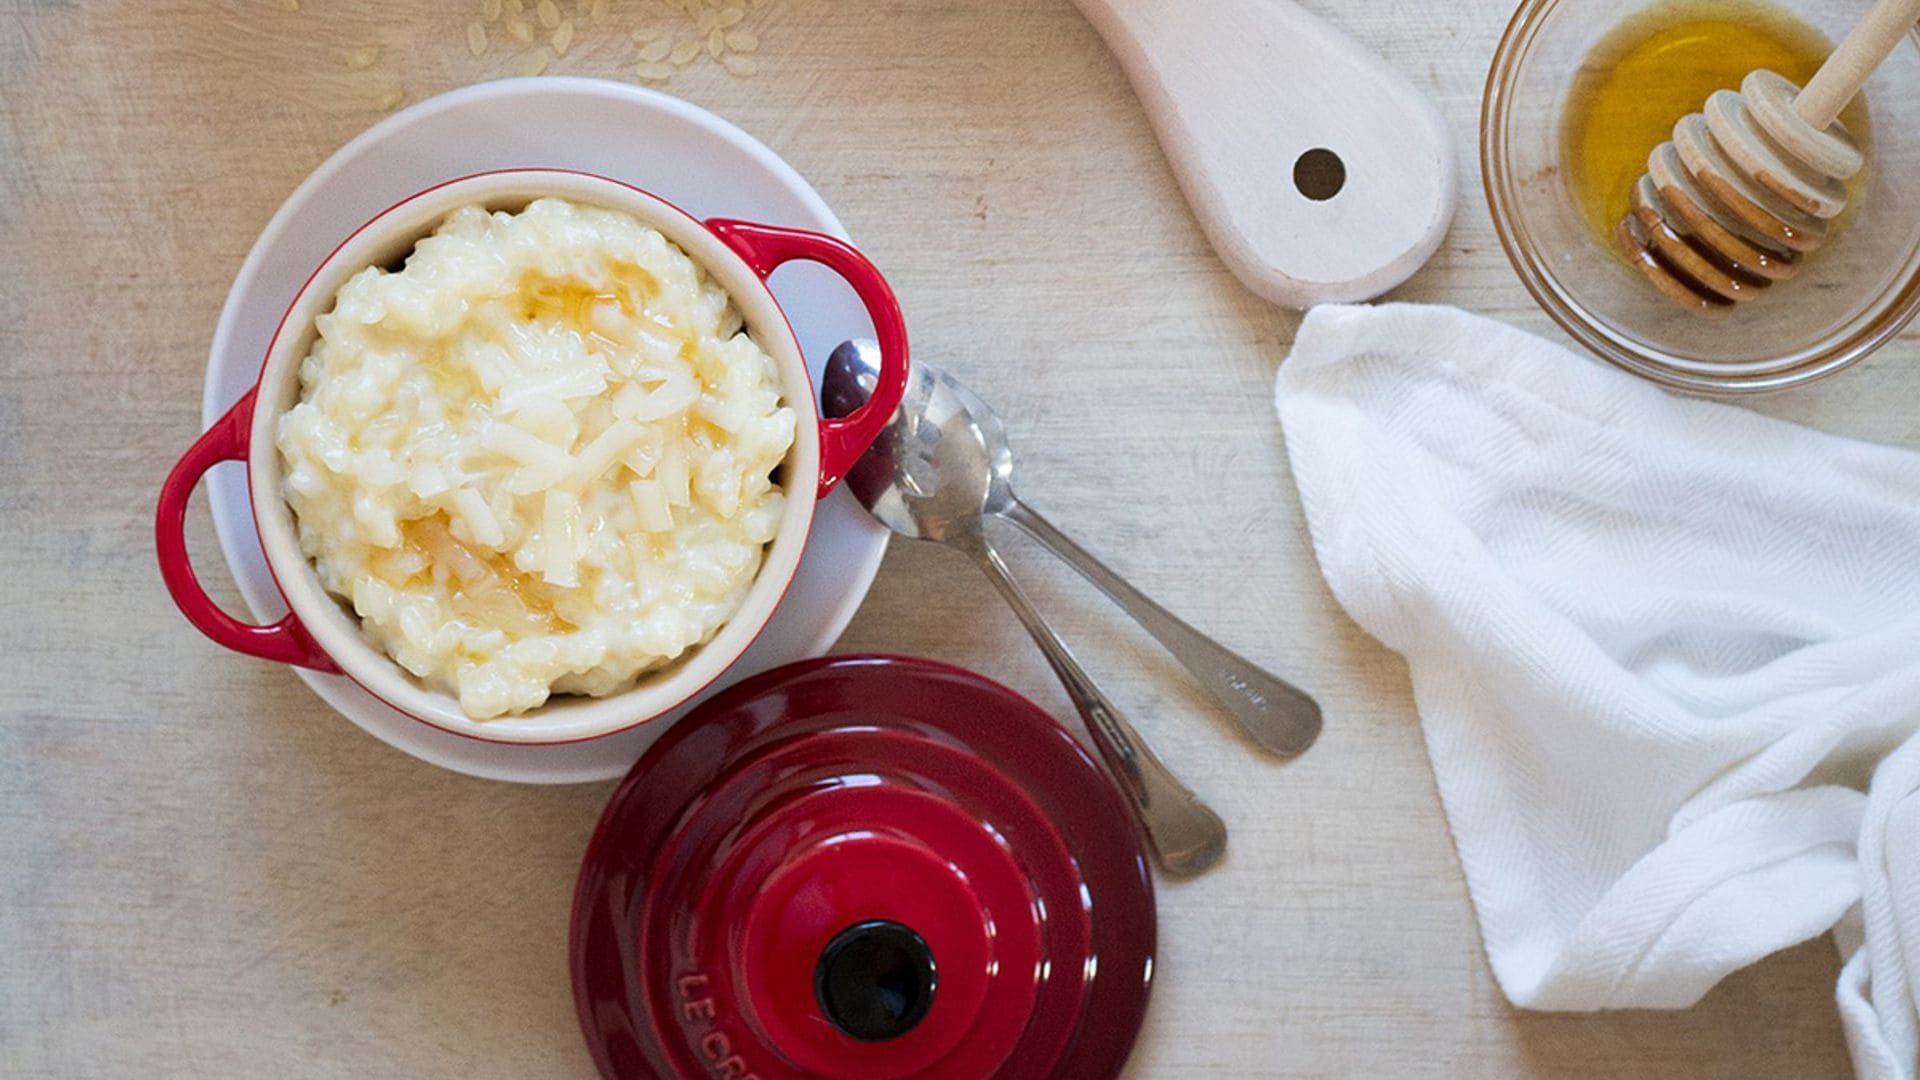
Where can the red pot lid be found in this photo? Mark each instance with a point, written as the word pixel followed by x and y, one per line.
pixel 863 867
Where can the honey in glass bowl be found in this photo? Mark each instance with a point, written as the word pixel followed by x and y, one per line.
pixel 1854 295
pixel 1657 67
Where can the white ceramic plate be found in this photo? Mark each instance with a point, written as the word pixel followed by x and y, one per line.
pixel 682 153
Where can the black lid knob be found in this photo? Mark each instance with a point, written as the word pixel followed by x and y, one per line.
pixel 875 980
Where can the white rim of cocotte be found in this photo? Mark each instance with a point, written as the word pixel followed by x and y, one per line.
pixel 565 718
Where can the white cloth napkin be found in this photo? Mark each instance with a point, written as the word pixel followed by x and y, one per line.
pixel 1666 655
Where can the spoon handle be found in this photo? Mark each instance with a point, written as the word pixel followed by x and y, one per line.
pixel 1186 837
pixel 1280 716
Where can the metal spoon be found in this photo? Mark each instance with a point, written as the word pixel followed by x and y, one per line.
pixel 1278 715
pixel 928 477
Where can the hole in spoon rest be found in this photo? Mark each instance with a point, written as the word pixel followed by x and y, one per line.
pixel 1319 174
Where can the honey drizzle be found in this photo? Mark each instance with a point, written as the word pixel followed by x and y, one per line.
pixel 491 587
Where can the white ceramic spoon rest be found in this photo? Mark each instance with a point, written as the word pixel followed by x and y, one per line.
pixel 1320 174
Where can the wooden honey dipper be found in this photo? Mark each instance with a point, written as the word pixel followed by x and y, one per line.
pixel 1751 184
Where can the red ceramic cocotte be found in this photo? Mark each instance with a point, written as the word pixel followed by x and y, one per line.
pixel 863 868
pixel 320 633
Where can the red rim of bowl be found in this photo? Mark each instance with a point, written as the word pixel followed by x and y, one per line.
pixel 274 573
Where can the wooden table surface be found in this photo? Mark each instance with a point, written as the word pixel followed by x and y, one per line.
pixel 205 872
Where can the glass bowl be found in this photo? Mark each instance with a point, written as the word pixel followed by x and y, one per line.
pixel 1852 297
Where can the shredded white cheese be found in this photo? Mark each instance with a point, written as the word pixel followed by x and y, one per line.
pixel 539 458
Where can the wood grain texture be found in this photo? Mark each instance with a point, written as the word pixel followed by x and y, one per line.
pixel 204 872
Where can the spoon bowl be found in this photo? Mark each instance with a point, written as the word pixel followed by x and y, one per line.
pixel 941 464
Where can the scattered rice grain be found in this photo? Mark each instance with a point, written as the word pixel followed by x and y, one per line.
pixel 646 34
pixel 729 17
pixel 597 11
pixel 393 97
pixel 656 51
pixel 490 10
pixel 563 38
pixel 683 53
pixel 290 5
pixel 362 58
pixel 536 61
pixel 521 31
pixel 549 13
pixel 739 65
pixel 653 72
pixel 476 38
pixel 742 40
pixel 716 42
pixel 516 7
pixel 704 20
